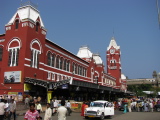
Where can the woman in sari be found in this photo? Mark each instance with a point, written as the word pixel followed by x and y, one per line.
pixel 84 106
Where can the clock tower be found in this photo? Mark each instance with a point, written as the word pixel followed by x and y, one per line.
pixel 113 54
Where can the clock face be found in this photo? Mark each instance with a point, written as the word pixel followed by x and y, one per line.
pixel 112 51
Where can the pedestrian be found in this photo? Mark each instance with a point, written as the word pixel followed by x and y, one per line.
pixel 35 100
pixel 51 105
pixel 91 104
pixel 12 107
pixel 55 106
pixel 133 105
pixel 26 101
pixel 31 100
pixel 32 114
pixel 39 107
pixel 39 99
pixel 7 110
pixel 68 106
pixel 48 113
pixel 129 105
pixel 125 108
pixel 141 106
pixel 146 106
pixel 2 109
pixel 84 106
pixel 9 99
pixel 158 102
pixel 150 106
pixel 62 111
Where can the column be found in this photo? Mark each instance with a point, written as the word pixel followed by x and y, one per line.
pixel 49 96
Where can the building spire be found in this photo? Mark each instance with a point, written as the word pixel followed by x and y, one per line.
pixel 113 32
pixel 113 38
pixel 29 3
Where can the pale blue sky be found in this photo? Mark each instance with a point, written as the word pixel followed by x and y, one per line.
pixel 74 23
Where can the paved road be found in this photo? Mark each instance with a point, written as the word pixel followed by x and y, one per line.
pixel 74 115
pixel 118 116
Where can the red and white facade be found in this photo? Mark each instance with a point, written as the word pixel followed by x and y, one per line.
pixel 114 64
pixel 26 56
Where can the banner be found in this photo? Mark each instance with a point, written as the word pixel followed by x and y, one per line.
pixel 12 77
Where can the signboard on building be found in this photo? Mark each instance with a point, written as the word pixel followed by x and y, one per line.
pixel 65 86
pixel 27 87
pixel 12 77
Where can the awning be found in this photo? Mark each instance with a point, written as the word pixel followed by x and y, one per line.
pixel 46 84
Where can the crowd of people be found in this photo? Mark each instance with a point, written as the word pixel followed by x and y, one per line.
pixel 7 108
pixel 59 107
pixel 62 108
pixel 137 105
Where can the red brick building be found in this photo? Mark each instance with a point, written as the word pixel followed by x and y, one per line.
pixel 32 64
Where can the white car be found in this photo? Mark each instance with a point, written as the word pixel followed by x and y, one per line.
pixel 99 109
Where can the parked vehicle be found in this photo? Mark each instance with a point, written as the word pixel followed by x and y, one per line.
pixel 99 109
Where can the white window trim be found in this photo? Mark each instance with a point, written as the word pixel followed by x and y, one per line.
pixel 49 76
pixel 53 76
pixel 13 48
pixel 34 56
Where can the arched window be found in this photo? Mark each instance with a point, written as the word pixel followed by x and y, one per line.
pixel 85 72
pixel 80 70
pixel 34 58
pixel 37 26
pixel 53 60
pixel 61 63
pixel 68 65
pixel 57 62
pixel 73 67
pixel 49 58
pixel 13 57
pixel 36 49
pixel 65 67
pixel 13 48
pixel 16 24
pixel 1 53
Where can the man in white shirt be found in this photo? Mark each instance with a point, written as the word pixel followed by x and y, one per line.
pixel 2 109
pixel 55 106
pixel 62 111
pixel 150 106
pixel 27 102
pixel 48 113
pixel 68 105
pixel 12 106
